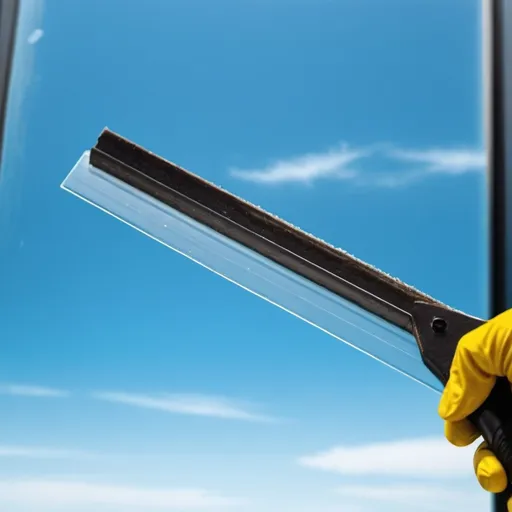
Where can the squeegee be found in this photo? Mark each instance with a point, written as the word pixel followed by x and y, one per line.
pixel 323 285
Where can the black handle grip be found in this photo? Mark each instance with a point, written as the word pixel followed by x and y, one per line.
pixel 494 420
pixel 438 331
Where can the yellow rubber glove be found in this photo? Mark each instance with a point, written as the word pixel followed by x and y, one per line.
pixel 481 356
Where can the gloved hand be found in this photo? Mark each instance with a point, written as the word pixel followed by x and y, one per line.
pixel 481 356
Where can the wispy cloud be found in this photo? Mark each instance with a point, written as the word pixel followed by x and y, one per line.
pixel 32 391
pixel 411 458
pixel 409 166
pixel 448 161
pixel 334 163
pixel 35 36
pixel 37 452
pixel 198 405
pixel 420 497
pixel 50 494
pixel 427 474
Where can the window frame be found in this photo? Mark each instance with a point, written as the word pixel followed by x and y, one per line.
pixel 497 17
pixel 9 10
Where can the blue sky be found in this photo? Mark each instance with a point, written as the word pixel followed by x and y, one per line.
pixel 131 378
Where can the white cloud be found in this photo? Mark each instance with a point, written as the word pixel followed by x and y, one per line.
pixel 419 497
pixel 35 36
pixel 305 168
pixel 198 405
pixel 339 164
pixel 449 161
pixel 37 452
pixel 424 457
pixel 33 391
pixel 64 494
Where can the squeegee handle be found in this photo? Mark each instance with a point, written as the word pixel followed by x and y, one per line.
pixel 438 331
pixel 494 420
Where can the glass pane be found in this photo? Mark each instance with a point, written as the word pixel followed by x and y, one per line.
pixel 133 379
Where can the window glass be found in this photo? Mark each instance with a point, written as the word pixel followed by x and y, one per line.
pixel 131 378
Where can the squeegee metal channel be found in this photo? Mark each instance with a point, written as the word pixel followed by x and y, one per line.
pixel 247 224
